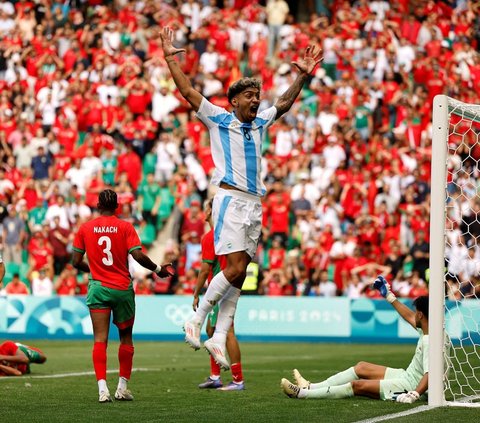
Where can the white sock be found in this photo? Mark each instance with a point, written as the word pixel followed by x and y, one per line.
pixel 215 292
pixel 226 314
pixel 214 377
pixel 341 378
pixel 329 392
pixel 122 383
pixel 102 385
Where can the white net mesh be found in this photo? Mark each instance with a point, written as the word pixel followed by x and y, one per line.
pixel 462 254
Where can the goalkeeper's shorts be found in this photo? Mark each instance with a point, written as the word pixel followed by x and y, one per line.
pixel 395 381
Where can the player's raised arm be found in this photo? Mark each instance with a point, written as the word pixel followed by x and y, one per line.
pixel 180 79
pixel 312 57
pixel 383 287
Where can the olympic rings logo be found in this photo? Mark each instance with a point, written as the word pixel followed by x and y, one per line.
pixel 178 314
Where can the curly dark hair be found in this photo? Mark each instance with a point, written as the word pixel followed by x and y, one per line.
pixel 241 85
pixel 107 200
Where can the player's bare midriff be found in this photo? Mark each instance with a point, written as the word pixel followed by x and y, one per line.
pixel 226 186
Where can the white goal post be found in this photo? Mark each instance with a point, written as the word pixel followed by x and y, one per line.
pixel 454 323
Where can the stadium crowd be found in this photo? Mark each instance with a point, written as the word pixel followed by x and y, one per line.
pixel 86 103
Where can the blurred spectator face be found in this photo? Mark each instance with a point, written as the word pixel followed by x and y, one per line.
pixel 194 208
pixel 278 186
pixel 15 279
pixel 12 212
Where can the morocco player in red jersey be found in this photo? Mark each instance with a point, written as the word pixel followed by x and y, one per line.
pixel 15 358
pixel 107 241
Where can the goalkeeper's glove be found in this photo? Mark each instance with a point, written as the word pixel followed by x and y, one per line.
pixel 408 397
pixel 165 270
pixel 382 286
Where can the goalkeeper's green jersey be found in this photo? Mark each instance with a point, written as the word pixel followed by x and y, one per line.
pixel 419 364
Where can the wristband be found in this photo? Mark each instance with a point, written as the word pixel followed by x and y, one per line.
pixel 158 269
pixel 390 297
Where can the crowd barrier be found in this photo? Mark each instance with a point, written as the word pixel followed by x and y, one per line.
pixel 259 318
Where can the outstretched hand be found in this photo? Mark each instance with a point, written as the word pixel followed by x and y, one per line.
pixel 313 56
pixel 168 49
pixel 166 270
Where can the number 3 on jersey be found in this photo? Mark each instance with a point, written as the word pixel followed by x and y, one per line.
pixel 107 261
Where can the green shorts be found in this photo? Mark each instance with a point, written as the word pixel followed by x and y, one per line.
pixel 101 299
pixel 395 380
pixel 33 354
pixel 213 316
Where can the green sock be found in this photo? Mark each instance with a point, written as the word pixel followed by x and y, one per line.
pixel 338 379
pixel 329 392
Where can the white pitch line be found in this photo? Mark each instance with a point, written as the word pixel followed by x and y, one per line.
pixel 61 375
pixel 416 410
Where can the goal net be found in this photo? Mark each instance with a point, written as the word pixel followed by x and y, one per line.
pixel 454 313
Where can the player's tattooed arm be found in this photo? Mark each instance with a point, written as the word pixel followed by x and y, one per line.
pixel 287 99
pixel 181 81
pixel 312 57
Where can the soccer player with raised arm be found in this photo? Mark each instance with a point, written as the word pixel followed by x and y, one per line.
pixel 374 380
pixel 211 265
pixel 107 241
pixel 236 139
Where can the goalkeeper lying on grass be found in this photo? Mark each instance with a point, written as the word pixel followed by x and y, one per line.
pixel 372 380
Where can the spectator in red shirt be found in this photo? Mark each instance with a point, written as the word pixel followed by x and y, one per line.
pixel 66 283
pixel 130 163
pixel 16 286
pixel 278 212
pixel 193 222
pixel 276 254
pixel 59 238
pixel 142 286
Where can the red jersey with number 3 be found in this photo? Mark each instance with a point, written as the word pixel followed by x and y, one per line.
pixel 107 241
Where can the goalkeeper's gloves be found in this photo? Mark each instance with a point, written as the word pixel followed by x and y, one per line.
pixel 382 286
pixel 408 397
pixel 165 270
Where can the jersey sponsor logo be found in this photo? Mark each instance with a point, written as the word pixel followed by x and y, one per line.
pixel 105 230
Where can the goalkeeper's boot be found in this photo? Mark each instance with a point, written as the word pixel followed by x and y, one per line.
pixel 233 386
pixel 123 395
pixel 104 396
pixel 301 382
pixel 211 383
pixel 218 353
pixel 192 334
pixel 290 389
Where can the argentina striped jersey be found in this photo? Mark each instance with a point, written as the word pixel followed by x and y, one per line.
pixel 236 146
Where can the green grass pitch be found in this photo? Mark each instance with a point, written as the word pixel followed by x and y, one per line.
pixel 165 387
